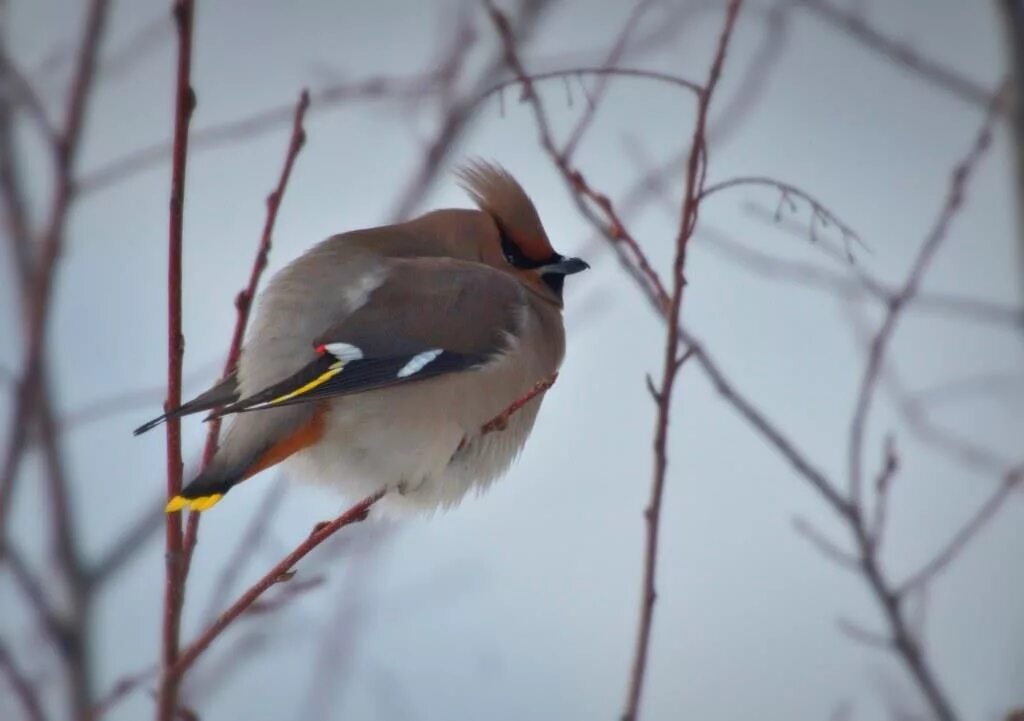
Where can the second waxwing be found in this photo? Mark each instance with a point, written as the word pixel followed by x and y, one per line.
pixel 375 359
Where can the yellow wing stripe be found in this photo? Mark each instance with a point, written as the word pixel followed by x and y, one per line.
pixel 332 371
pixel 203 503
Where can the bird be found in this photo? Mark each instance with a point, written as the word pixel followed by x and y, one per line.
pixel 376 358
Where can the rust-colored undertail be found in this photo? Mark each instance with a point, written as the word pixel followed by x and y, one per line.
pixel 211 485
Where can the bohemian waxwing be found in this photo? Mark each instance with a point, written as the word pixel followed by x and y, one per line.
pixel 376 357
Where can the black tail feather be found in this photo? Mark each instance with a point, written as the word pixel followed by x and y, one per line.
pixel 224 393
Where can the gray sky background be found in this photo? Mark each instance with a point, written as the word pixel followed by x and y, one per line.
pixel 522 603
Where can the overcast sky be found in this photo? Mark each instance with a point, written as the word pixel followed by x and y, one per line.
pixel 522 603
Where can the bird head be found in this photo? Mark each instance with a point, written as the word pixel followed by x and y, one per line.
pixel 520 246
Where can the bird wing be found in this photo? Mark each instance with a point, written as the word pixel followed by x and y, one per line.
pixel 430 317
pixel 222 394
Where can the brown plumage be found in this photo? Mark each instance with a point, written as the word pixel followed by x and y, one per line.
pixel 375 358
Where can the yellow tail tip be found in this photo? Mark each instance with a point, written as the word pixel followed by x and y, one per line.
pixel 175 504
pixel 202 503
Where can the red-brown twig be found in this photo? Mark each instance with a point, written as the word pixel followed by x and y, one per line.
pixel 184 104
pixel 608 71
pixel 282 570
pixel 666 304
pixel 631 256
pixel 695 173
pixel 819 211
pixel 245 297
pixel 500 421
pixel 245 548
pixel 321 532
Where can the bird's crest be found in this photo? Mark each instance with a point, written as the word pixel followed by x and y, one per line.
pixel 498 194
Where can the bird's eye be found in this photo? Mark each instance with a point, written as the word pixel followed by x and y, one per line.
pixel 514 256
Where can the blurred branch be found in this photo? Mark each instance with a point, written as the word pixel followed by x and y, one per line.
pixel 174 583
pixel 965 534
pixel 252 126
pixel 244 299
pixel 866 531
pixel 39 293
pixel 121 689
pixel 34 593
pixel 599 71
pixel 458 115
pixel 844 284
pixel 244 549
pixel 32 408
pixel 594 97
pixel 16 90
pixel 22 687
pixel 880 342
pixel 611 226
pixel 127 545
pixel 827 548
pixel 281 572
pixel 1013 19
pixel 852 24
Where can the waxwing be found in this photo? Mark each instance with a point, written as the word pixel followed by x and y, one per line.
pixel 375 359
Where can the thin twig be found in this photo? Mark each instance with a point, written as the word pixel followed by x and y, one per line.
pixel 355 514
pixel 174 590
pixel 787 191
pixel 896 51
pixel 883 486
pixel 500 422
pixel 244 549
pixel 625 245
pixel 880 342
pixel 965 534
pixel 50 246
pixel 695 173
pixel 244 300
pixel 22 687
pixel 594 97
pixel 606 71
pixel 321 532
pixel 827 548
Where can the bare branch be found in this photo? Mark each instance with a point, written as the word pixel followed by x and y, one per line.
pixel 966 533
pixel 244 300
pixel 355 514
pixel 870 37
pixel 880 342
pixel 21 686
pixel 174 584
pixel 819 211
pixel 883 483
pixel 826 547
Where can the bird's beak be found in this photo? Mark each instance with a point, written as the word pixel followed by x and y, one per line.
pixel 565 266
